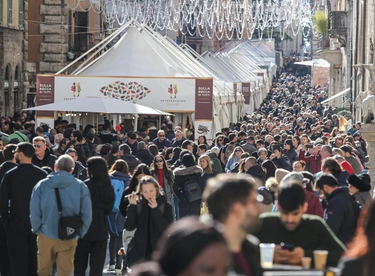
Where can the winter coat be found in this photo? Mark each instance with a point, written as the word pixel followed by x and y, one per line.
pixel 150 224
pixel 182 175
pixel 79 171
pixel 283 163
pixel 48 160
pixel 342 178
pixel 206 176
pixel 75 200
pixel 168 190
pixel 216 164
pixel 98 230
pixel 292 155
pixel 340 215
pixel 314 206
pixel 116 220
pixel 362 197
pixel 145 156
pixel 315 161
pixel 257 172
pixel 132 161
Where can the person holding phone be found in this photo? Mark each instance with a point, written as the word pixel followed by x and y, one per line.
pixel 150 214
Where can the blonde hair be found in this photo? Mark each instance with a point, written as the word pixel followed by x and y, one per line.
pixel 209 166
pixel 147 179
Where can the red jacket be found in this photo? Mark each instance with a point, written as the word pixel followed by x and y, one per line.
pixel 315 161
pixel 314 206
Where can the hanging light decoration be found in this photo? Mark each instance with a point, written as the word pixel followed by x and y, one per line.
pixel 220 19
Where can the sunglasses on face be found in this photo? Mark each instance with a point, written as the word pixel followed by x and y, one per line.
pixel 237 151
pixel 37 146
pixel 161 135
pixel 159 161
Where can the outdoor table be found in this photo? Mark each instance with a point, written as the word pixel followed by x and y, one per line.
pixel 289 270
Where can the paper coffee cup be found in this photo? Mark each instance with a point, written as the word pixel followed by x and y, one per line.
pixel 306 262
pixel 266 254
pixel 320 259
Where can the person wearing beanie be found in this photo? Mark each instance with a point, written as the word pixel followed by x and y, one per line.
pixel 185 174
pixel 359 187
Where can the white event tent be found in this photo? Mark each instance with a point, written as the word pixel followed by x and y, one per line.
pixel 143 52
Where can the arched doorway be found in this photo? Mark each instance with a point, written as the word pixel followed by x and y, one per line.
pixel 7 89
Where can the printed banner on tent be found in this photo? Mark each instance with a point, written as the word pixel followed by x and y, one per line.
pixel 167 94
pixel 203 99
pixel 45 93
pixel 203 127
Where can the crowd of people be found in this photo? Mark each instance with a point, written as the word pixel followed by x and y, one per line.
pixel 290 173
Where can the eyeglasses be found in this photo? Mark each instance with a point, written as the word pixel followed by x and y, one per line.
pixel 159 161
pixel 37 146
pixel 237 151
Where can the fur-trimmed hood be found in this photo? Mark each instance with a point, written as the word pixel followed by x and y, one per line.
pixel 182 170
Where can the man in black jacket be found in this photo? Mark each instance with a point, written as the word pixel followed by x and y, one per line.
pixel 10 163
pixel 341 215
pixel 232 201
pixel 42 156
pixel 15 194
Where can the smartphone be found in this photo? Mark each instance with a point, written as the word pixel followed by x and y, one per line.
pixel 309 146
pixel 127 196
pixel 287 246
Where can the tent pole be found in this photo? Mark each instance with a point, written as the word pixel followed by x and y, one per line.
pixel 136 122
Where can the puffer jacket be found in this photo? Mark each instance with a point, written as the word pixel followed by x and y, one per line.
pixel 182 175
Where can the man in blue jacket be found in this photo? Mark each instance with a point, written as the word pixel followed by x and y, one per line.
pixel 44 216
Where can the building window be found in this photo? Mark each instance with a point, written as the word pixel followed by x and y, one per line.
pixel 20 14
pixel 10 6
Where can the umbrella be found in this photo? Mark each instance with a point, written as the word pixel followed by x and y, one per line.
pixel 99 105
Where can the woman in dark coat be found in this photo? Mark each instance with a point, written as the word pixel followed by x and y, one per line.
pixel 118 172
pixel 140 171
pixel 93 246
pixel 289 151
pixel 150 214
pixel 359 259
pixel 187 172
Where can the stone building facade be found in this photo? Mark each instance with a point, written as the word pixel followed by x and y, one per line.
pixel 12 70
pixel 36 37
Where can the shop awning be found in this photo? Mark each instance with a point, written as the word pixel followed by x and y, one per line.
pixel 337 95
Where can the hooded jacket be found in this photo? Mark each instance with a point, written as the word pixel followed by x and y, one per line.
pixel 340 214
pixel 132 161
pixel 75 200
pixel 257 171
pixel 182 175
pixel 145 156
pixel 216 164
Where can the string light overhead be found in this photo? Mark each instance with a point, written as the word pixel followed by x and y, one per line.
pixel 220 19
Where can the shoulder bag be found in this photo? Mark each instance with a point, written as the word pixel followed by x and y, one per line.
pixel 68 226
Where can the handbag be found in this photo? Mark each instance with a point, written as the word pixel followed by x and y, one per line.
pixel 68 227
pixel 193 191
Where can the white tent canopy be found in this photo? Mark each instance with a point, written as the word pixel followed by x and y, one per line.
pixel 99 105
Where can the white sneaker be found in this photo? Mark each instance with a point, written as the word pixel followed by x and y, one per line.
pixel 118 271
pixel 111 267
